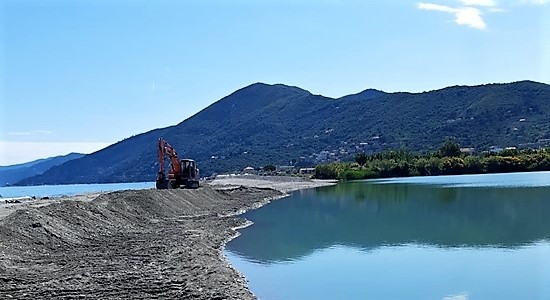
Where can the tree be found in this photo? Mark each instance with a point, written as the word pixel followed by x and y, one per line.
pixel 361 159
pixel 450 149
pixel 269 168
pixel 509 152
pixel 326 172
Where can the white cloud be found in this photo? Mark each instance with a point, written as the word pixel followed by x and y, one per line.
pixel 461 296
pixel 535 2
pixel 438 7
pixel 470 12
pixel 43 132
pixel 28 133
pixel 19 133
pixel 468 16
pixel 488 3
pixel 21 152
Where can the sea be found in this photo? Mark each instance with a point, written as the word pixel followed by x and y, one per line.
pixel 70 189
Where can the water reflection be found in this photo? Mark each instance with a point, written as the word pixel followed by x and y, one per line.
pixel 370 215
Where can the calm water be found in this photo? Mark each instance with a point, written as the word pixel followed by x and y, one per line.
pixel 70 189
pixel 452 237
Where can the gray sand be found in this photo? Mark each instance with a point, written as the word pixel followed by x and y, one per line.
pixel 8 208
pixel 132 244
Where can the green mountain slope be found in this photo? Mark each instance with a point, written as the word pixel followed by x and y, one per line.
pixel 274 124
pixel 14 173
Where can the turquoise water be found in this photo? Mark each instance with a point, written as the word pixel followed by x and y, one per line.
pixel 70 189
pixel 452 237
pixel 531 179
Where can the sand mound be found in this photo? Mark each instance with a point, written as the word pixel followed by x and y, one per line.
pixel 130 244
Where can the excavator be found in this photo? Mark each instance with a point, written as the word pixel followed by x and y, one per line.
pixel 183 173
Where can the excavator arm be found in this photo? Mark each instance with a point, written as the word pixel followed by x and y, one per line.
pixel 166 150
pixel 161 158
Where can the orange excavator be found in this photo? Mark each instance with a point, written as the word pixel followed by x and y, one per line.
pixel 183 173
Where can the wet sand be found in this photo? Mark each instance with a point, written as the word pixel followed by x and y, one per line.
pixel 142 244
pixel 283 184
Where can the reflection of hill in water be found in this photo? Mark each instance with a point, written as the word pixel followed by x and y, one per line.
pixel 372 215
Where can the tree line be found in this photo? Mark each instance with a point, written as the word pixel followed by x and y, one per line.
pixel 448 160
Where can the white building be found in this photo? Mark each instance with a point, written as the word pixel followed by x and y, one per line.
pixel 248 170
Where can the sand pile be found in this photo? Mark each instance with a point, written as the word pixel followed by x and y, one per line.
pixel 133 244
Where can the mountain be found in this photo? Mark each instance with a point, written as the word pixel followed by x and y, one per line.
pixel 274 124
pixel 364 95
pixel 11 174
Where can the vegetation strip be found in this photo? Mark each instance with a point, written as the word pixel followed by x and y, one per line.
pixel 448 160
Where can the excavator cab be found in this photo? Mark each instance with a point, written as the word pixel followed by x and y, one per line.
pixel 189 176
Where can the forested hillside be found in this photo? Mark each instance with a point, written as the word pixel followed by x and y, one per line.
pixel 12 174
pixel 277 124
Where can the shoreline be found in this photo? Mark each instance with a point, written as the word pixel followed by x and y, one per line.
pixel 140 243
pixel 284 184
pixel 236 234
pixel 252 181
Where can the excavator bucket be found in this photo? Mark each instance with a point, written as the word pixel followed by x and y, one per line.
pixel 162 183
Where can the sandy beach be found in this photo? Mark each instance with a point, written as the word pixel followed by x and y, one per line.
pixel 141 244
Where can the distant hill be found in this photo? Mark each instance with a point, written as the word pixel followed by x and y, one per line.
pixel 364 95
pixel 12 174
pixel 276 124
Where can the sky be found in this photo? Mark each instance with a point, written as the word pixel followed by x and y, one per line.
pixel 76 76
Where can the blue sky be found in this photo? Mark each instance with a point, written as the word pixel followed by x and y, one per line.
pixel 80 75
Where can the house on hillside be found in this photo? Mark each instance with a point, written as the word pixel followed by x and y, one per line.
pixel 495 149
pixel 467 150
pixel 306 171
pixel 285 169
pixel 248 170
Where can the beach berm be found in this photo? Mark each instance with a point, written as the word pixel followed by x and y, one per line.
pixel 139 244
